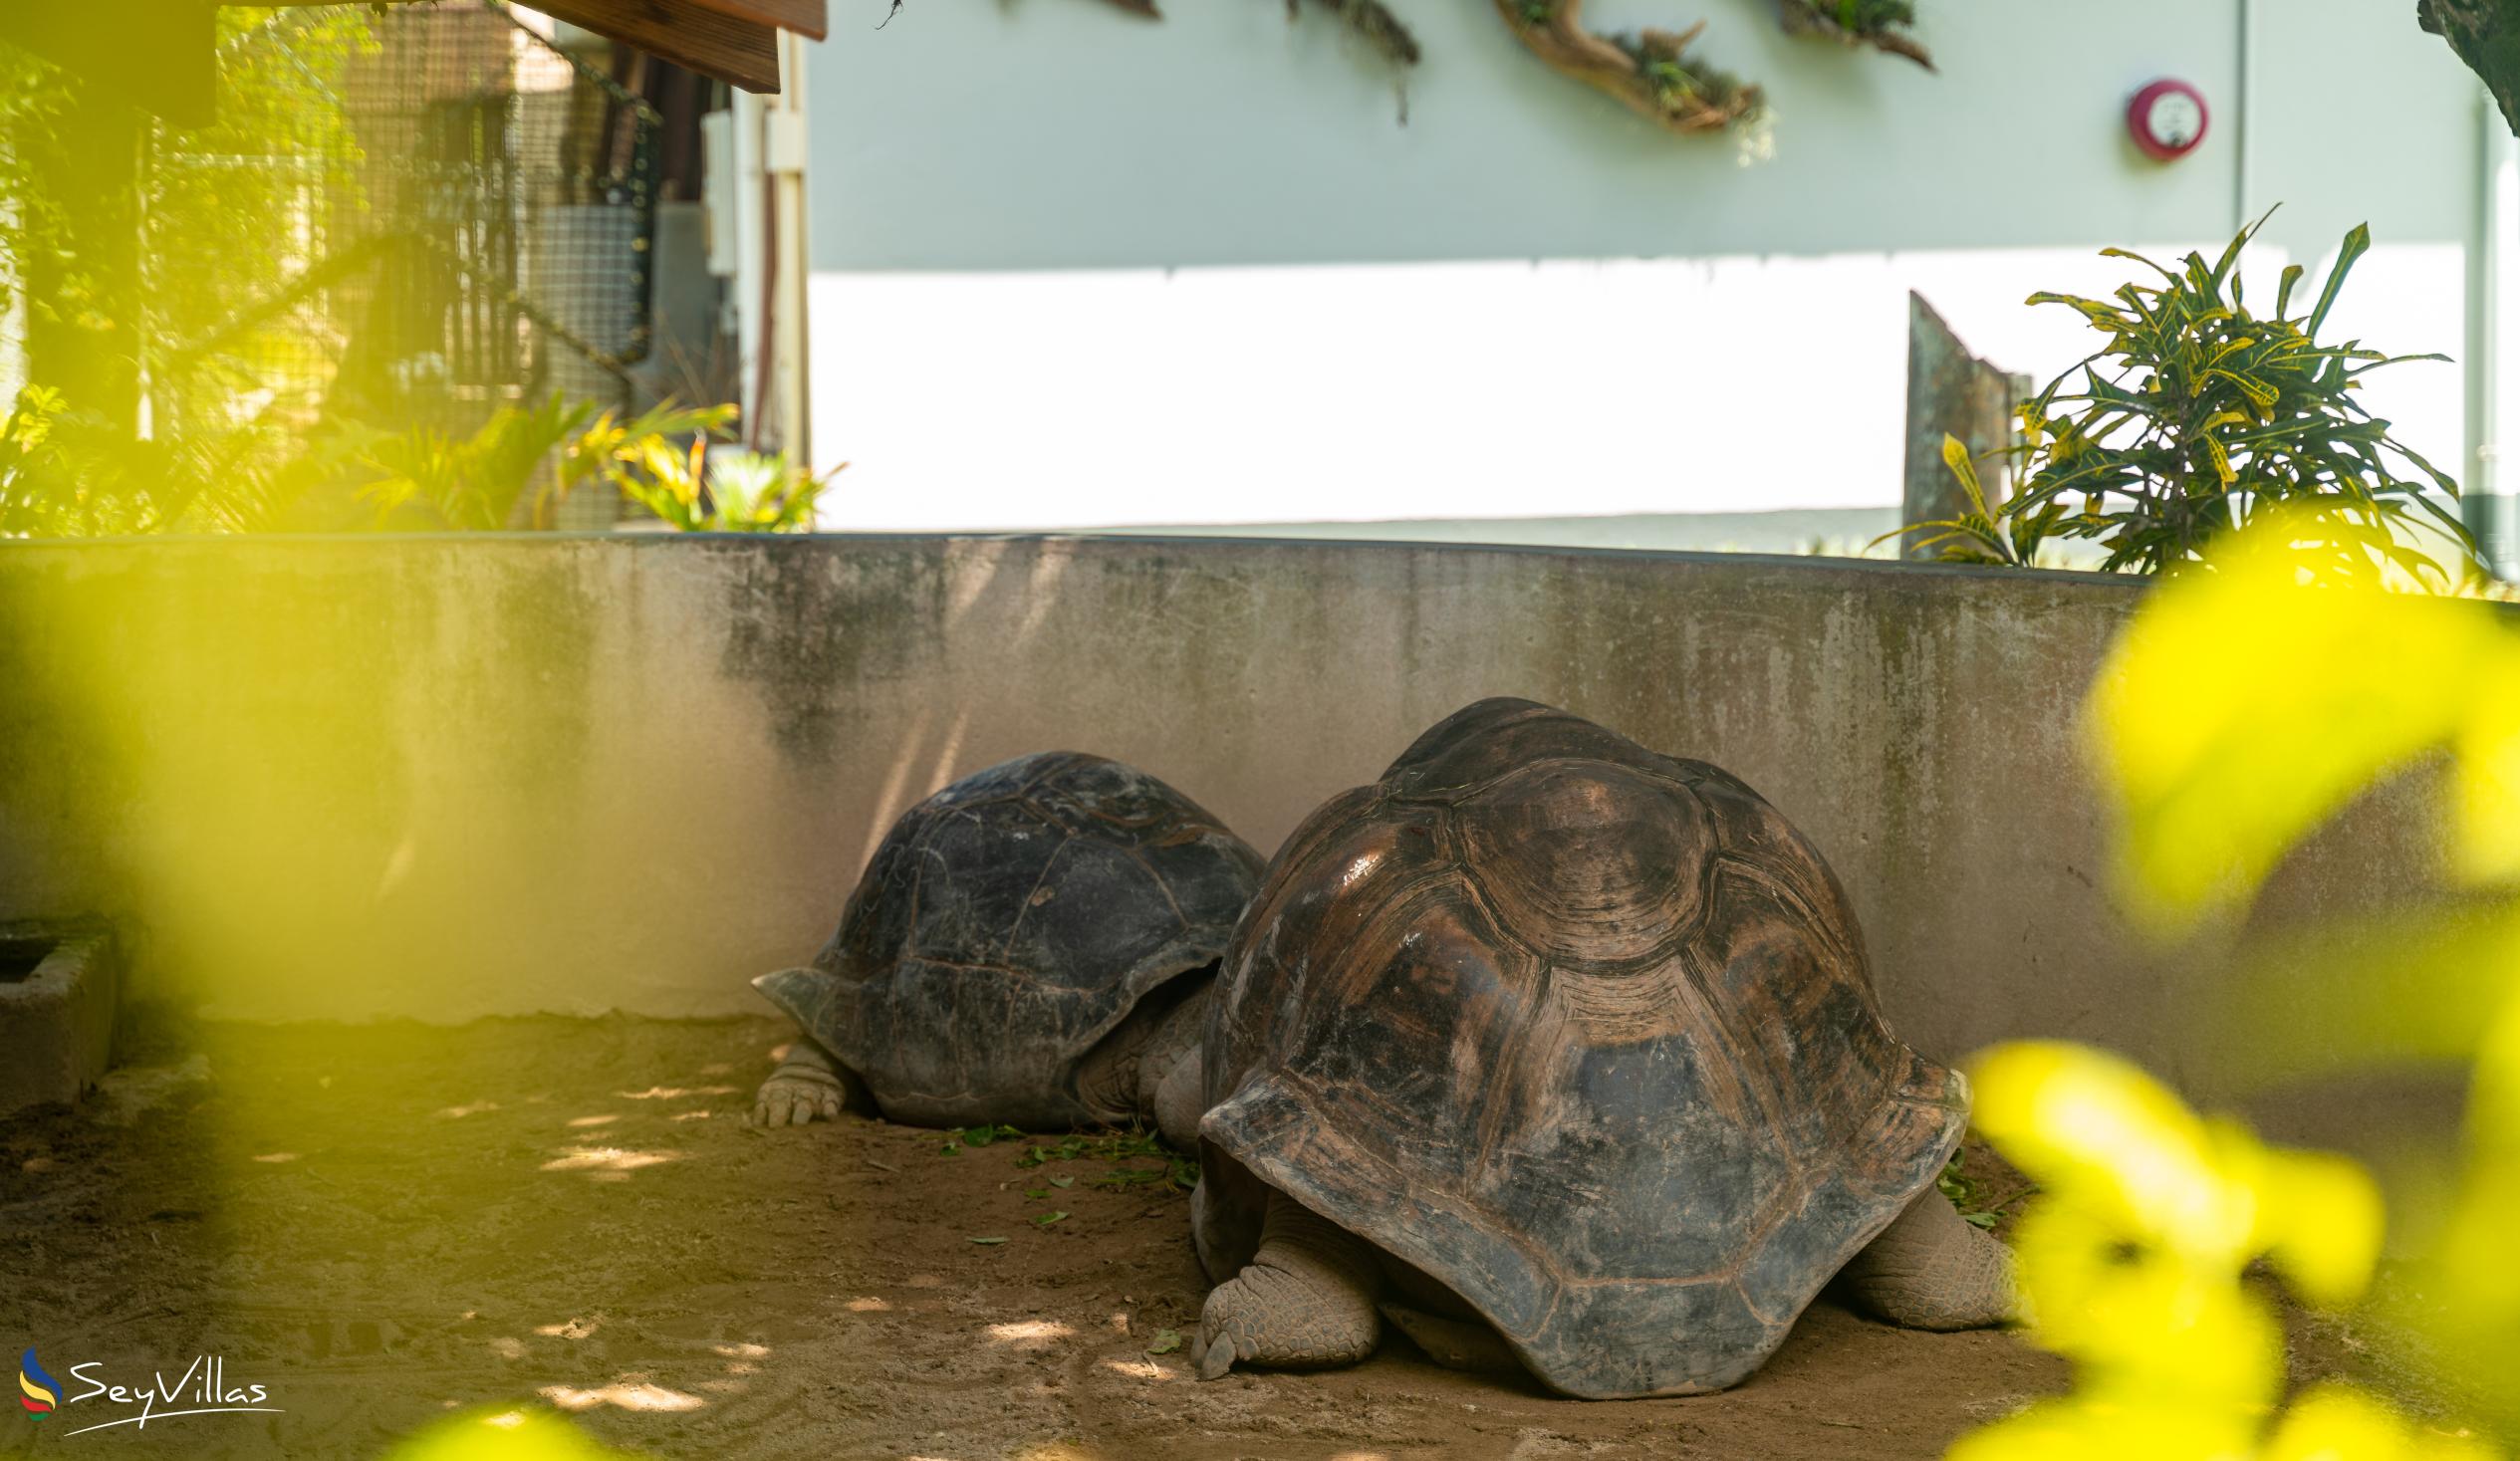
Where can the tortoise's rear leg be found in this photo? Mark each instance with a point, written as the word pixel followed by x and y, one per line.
pixel 1455 1343
pixel 1929 1270
pixel 1451 1331
pixel 808 1085
pixel 1303 1302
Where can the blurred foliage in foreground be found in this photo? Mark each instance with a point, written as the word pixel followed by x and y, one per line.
pixel 2130 1264
pixel 515 1433
pixel 2255 695
pixel 339 305
pixel 61 475
pixel 104 254
pixel 2198 415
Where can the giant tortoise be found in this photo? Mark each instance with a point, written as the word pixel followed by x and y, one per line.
pixel 1561 1052
pixel 1030 945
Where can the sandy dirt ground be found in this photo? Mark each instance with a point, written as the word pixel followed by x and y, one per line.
pixel 381 1224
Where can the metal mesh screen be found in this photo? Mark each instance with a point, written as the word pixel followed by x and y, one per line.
pixel 463 215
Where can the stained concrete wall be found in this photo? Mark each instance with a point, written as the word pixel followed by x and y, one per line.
pixel 446 777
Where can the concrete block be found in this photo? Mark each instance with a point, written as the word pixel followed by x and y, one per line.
pixel 58 991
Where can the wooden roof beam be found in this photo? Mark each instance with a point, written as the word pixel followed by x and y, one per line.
pixel 158 51
pixel 808 18
pixel 699 36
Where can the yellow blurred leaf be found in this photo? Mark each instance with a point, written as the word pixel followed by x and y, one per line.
pixel 2416 985
pixel 2251 698
pixel 2493 1095
pixel 2138 1316
pixel 2485 806
pixel 2118 1147
pixel 2084 1427
pixel 2320 1220
pixel 2078 1118
pixel 2340 1423
pixel 505 1433
pixel 2243 708
pixel 2131 1261
pixel 2473 1313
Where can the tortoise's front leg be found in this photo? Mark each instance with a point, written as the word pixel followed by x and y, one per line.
pixel 809 1083
pixel 1303 1302
pixel 1929 1270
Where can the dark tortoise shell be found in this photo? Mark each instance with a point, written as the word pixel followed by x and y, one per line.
pixel 1005 925
pixel 1581 1031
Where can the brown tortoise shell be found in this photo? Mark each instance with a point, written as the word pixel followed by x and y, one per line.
pixel 1582 1031
pixel 1005 925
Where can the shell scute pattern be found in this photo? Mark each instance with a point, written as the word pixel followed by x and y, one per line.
pixel 1582 1031
pixel 1006 924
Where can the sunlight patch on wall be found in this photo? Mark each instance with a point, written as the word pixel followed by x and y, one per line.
pixel 1495 390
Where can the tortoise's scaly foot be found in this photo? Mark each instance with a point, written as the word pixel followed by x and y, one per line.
pixel 1303 1302
pixel 1928 1270
pixel 809 1086
pixel 792 1097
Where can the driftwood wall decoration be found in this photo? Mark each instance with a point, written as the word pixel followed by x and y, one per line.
pixel 1646 72
pixel 1881 24
pixel 1373 22
pixel 1649 72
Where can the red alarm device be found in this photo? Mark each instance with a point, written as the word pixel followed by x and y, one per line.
pixel 2167 120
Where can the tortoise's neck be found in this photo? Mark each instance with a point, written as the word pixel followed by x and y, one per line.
pixel 1176 1036
pixel 1118 1078
pixel 1172 1081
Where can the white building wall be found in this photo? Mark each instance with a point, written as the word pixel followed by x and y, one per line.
pixel 1075 269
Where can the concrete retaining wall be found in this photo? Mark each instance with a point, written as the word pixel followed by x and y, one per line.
pixel 445 778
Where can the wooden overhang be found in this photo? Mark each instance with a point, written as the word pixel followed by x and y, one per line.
pixel 159 53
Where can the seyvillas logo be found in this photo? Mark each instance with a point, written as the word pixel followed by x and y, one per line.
pixel 202 1388
pixel 41 1393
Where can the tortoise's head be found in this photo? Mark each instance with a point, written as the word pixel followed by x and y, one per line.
pixel 803 995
